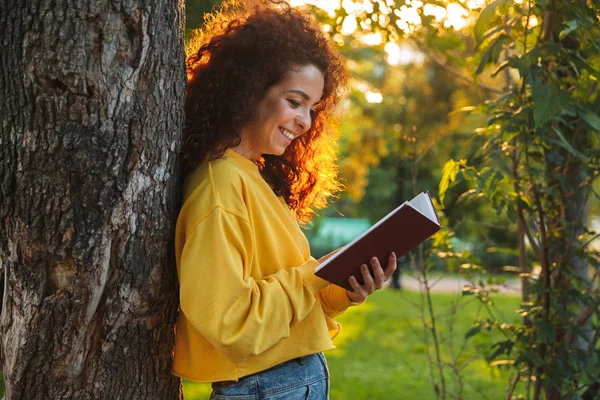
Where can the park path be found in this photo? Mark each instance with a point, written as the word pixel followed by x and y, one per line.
pixel 453 284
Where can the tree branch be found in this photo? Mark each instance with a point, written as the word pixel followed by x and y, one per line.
pixel 445 64
pixel 534 245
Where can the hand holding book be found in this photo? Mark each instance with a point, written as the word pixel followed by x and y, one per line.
pixel 399 231
pixel 371 282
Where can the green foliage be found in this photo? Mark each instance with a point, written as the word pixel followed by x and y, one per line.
pixel 548 103
pixel 538 165
pixel 492 53
pixel 195 10
pixel 449 173
pixel 488 20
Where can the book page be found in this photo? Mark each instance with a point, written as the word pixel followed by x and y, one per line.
pixel 422 203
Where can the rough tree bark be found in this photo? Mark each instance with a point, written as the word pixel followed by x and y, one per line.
pixel 91 112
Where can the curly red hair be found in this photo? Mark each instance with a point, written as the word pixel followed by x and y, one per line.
pixel 232 61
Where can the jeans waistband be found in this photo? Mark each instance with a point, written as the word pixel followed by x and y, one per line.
pixel 299 371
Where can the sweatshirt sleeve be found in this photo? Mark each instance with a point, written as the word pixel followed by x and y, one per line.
pixel 334 300
pixel 238 315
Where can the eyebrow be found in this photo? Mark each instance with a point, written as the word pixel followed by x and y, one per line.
pixel 301 93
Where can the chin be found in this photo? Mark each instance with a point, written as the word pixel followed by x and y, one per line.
pixel 278 152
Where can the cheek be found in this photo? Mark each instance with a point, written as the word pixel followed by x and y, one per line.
pixel 284 112
pixel 274 112
pixel 271 112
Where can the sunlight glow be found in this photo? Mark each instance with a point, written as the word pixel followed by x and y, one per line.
pixel 438 12
pixel 373 97
pixel 328 5
pixel 362 86
pixel 349 25
pixel 408 18
pixel 402 54
pixel 533 21
pixel 471 4
pixel 372 39
pixel 453 15
pixel 354 7
pixel 457 17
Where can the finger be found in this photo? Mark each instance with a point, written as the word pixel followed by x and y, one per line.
pixel 391 267
pixel 369 285
pixel 378 274
pixel 358 289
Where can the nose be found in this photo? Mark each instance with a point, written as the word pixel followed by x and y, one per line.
pixel 303 120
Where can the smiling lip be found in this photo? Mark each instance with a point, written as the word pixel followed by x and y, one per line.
pixel 287 134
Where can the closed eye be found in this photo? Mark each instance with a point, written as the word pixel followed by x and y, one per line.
pixel 294 103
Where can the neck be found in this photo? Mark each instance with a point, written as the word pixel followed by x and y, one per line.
pixel 244 150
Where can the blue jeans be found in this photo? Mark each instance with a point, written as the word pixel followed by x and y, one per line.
pixel 305 378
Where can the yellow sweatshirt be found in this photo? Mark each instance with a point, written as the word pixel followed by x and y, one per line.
pixel 249 298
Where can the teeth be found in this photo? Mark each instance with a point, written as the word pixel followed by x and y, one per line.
pixel 287 134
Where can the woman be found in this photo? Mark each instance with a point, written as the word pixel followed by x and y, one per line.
pixel 258 154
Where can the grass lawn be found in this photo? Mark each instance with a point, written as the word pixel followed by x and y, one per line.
pixel 381 353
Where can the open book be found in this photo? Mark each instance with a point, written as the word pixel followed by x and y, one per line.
pixel 399 231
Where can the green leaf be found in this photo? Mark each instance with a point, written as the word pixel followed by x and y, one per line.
pixel 548 103
pixel 583 65
pixel 511 214
pixel 508 136
pixel 590 117
pixel 563 142
pixel 523 202
pixel 469 174
pixel 467 291
pixel 484 22
pixel 492 53
pixel 527 62
pixel 492 183
pixel 473 331
pixel 503 347
pixel 502 362
pixel 547 332
pixel 493 31
pixel 570 26
pixel 449 172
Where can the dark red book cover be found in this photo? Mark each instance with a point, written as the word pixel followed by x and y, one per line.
pixel 399 231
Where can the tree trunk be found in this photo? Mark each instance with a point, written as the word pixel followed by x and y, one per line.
pixel 91 118
pixel 577 216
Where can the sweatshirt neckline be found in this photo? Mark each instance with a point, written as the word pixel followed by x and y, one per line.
pixel 240 160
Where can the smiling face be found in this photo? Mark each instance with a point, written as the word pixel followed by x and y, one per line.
pixel 283 114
